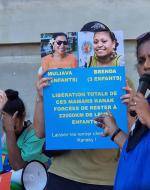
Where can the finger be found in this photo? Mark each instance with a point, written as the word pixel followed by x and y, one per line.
pixel 42 83
pixel 109 113
pixel 2 92
pixel 4 115
pixel 127 89
pixel 125 96
pixel 45 82
pixel 101 125
pixel 137 99
pixel 133 104
pixel 3 97
pixel 104 134
pixel 100 118
pixel 15 115
pixel 139 95
pixel 39 76
pixel 126 101
pixel 130 85
pixel 41 73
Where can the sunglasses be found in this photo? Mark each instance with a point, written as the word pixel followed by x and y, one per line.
pixel 143 37
pixel 62 42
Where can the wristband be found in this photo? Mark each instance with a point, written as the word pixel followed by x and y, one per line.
pixel 115 133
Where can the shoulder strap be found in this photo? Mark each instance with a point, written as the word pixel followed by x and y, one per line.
pixel 90 62
pixel 27 123
pixel 117 60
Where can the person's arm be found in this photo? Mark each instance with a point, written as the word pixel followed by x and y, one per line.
pixel 120 139
pixel 108 123
pixel 38 111
pixel 39 117
pixel 31 146
pixel 14 153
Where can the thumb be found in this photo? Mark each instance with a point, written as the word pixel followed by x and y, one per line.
pixel 15 115
pixel 104 134
pixel 41 73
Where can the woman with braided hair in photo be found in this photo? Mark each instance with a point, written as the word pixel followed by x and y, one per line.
pixel 104 45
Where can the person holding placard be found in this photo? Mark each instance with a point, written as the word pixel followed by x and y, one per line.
pixel 77 169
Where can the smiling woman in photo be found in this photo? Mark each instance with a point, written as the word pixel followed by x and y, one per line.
pixel 105 46
pixel 59 58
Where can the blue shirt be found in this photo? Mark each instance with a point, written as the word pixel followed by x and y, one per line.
pixel 133 171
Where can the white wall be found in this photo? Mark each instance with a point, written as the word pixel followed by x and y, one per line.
pixel 22 21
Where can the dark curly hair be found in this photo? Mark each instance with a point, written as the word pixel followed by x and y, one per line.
pixel 96 26
pixel 14 103
pixel 142 39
